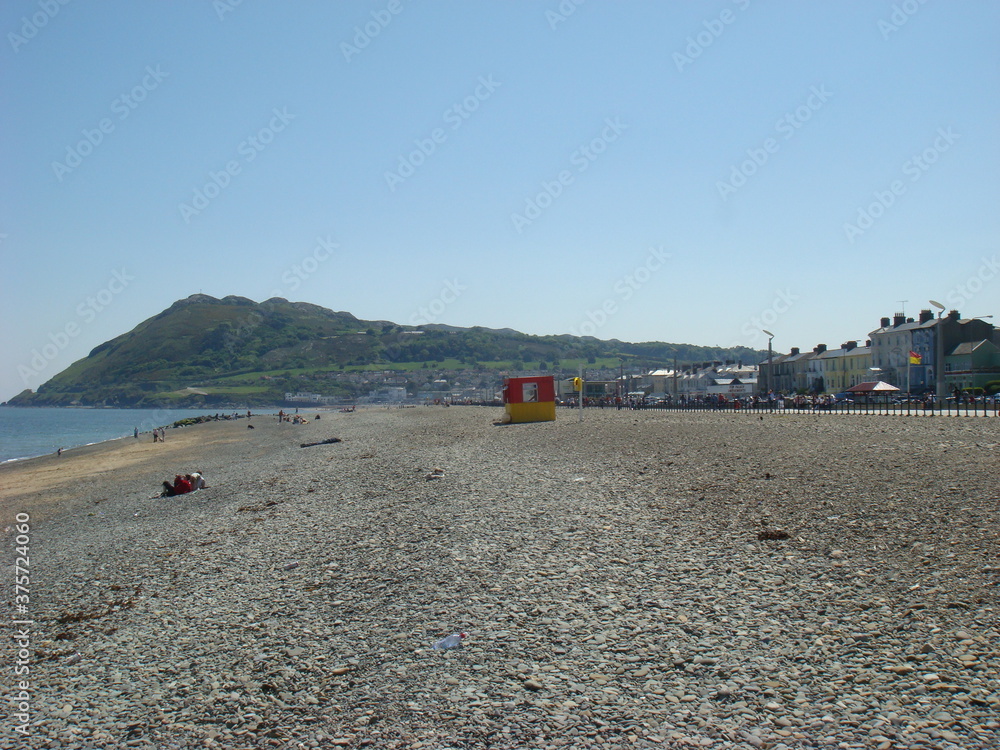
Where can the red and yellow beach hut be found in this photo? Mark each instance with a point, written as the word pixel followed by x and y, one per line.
pixel 530 399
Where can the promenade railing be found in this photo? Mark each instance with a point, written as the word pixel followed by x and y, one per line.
pixel 881 407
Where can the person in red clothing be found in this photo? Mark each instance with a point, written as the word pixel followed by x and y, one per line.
pixel 180 486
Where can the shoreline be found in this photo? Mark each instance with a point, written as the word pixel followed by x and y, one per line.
pixel 26 476
pixel 49 483
pixel 195 412
pixel 67 450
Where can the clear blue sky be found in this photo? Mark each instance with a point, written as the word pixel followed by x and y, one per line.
pixel 675 171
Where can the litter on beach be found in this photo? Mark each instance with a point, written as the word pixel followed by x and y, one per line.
pixel 328 441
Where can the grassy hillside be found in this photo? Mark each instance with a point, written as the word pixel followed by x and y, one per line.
pixel 203 350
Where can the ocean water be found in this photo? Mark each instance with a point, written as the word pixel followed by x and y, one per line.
pixel 27 432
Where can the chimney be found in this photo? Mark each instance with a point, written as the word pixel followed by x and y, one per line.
pixel 926 315
pixel 794 352
pixel 954 315
pixel 868 343
pixel 909 320
pixel 898 319
pixel 884 323
pixel 848 345
pixel 819 349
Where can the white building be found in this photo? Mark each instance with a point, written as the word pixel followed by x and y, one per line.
pixel 733 380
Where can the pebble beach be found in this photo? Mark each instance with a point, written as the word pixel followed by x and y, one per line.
pixel 634 580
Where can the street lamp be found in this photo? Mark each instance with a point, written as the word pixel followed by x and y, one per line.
pixel 770 362
pixel 938 353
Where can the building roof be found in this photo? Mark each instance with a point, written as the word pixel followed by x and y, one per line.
pixel 970 346
pixel 799 356
pixel 915 325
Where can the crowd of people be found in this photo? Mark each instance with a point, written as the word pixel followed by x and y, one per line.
pixel 293 418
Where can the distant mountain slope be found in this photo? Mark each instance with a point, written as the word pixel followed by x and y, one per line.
pixel 241 351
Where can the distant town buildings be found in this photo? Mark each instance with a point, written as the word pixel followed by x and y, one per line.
pixel 940 354
pixel 730 379
pixel 930 354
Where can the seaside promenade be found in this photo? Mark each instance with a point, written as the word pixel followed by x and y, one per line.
pixel 638 579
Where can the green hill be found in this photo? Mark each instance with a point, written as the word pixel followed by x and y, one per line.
pixel 234 351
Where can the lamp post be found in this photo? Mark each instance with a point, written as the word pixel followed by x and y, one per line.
pixel 939 354
pixel 770 360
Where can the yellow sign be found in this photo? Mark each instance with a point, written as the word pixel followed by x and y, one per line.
pixel 577 384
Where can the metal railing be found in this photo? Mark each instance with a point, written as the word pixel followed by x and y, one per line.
pixel 805 405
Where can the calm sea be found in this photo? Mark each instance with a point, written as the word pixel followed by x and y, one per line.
pixel 27 432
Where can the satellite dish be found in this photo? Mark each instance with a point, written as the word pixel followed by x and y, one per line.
pixel 938 305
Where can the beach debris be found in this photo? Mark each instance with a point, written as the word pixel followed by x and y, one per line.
pixel 290 566
pixel 452 641
pixel 114 607
pixel 772 534
pixel 259 506
pixel 328 441
pixel 74 659
pixel 436 473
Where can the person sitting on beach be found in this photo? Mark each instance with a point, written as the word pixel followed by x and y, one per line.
pixel 181 486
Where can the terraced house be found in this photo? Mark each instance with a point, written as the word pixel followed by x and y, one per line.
pixel 900 351
pixel 971 366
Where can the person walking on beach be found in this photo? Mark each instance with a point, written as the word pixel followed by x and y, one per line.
pixel 135 433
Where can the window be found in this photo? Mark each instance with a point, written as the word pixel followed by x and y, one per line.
pixel 529 392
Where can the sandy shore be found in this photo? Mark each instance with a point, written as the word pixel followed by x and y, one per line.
pixel 45 484
pixel 637 580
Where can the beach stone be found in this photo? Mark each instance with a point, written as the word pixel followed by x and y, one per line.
pixel 596 611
